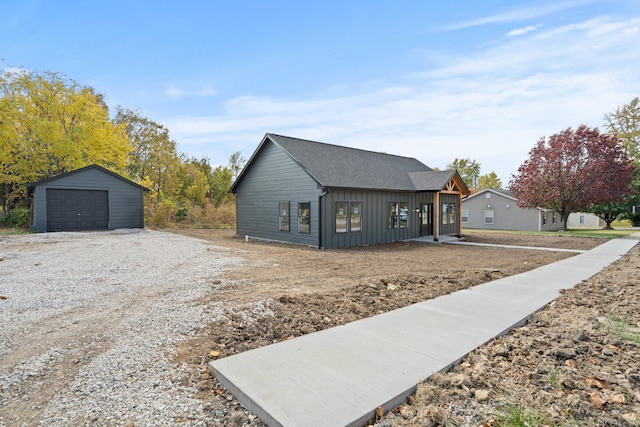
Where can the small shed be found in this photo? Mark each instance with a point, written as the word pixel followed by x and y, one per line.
pixel 89 198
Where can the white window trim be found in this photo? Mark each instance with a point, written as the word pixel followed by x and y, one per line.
pixel 486 217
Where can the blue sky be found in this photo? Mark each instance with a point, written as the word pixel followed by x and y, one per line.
pixel 425 79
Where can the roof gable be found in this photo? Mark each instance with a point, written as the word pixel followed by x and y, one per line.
pixel 447 180
pixel 32 185
pixel 503 193
pixel 344 167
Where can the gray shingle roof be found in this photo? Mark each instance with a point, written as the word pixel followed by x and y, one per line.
pixel 344 167
pixel 32 185
pixel 505 193
pixel 432 180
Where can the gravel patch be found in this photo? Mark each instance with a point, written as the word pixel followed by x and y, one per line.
pixel 101 313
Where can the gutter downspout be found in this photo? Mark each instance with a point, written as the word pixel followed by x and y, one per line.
pixel 539 220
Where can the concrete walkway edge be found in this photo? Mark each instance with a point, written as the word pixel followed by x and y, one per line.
pixel 339 376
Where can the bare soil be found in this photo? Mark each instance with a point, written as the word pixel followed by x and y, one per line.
pixel 577 362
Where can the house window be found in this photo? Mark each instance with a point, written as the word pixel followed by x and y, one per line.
pixel 554 218
pixel 304 209
pixel 581 219
pixel 348 217
pixel 544 218
pixel 398 214
pixel 488 216
pixel 393 215
pixel 283 219
pixel 465 216
pixel 342 217
pixel 448 213
pixel 356 217
pixel 404 215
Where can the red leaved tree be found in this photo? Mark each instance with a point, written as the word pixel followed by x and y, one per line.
pixel 572 171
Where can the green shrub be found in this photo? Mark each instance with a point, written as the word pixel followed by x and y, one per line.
pixel 18 217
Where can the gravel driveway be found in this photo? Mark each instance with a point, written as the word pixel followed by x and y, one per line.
pixel 90 322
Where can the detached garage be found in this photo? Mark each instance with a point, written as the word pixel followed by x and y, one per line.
pixel 90 198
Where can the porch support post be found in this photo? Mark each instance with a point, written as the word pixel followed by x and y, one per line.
pixel 436 216
pixel 459 216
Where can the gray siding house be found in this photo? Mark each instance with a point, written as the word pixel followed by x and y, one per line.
pixel 493 209
pixel 328 196
pixel 90 198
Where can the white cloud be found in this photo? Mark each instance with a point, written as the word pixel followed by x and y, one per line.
pixel 173 91
pixel 520 14
pixel 522 31
pixel 491 106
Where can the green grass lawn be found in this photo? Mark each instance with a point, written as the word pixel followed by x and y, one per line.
pixel 8 231
pixel 577 232
pixel 605 234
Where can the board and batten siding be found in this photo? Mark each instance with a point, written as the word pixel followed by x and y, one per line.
pixel 275 177
pixel 448 227
pixel 375 217
pixel 126 201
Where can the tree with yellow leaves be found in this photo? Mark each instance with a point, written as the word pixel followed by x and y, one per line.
pixel 50 125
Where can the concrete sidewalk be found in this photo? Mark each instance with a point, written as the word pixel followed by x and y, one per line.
pixel 338 376
pixel 533 248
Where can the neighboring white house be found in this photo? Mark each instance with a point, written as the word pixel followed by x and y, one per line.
pixel 498 210
pixel 585 220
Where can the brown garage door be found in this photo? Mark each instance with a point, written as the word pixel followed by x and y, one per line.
pixel 74 210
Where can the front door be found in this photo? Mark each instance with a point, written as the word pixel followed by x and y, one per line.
pixel 426 219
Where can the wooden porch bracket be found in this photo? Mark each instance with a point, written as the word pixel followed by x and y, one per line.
pixel 436 216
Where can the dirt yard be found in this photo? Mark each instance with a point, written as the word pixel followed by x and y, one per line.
pixel 576 363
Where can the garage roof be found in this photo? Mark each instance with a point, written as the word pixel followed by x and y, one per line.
pixel 32 185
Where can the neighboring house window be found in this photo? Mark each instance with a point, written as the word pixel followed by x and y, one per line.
pixel 304 210
pixel 448 213
pixel 554 218
pixel 581 219
pixel 544 218
pixel 465 216
pixel 398 214
pixel 348 217
pixel 283 219
pixel 488 216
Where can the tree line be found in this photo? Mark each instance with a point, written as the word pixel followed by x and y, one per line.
pixel 51 125
pixel 469 171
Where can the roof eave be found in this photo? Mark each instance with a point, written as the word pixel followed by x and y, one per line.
pixel 32 185
pixel 255 155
